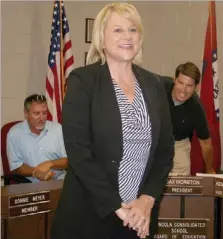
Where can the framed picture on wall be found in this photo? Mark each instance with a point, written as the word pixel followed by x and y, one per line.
pixel 89 22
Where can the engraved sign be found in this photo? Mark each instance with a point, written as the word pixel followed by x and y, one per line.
pixel 29 198
pixel 29 204
pixel 182 228
pixel 218 187
pixel 183 190
pixel 29 209
pixel 184 185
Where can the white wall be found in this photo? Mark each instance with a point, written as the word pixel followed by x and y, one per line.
pixel 174 33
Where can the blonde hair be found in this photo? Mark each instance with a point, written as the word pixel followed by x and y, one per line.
pixel 96 52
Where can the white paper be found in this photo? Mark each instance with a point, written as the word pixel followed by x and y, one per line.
pixel 209 175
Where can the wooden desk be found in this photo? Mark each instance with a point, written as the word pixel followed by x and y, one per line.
pixel 193 203
pixel 187 203
pixel 26 226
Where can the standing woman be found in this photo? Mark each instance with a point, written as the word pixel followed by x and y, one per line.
pixel 118 137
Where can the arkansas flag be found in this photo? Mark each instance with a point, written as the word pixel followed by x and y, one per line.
pixel 209 96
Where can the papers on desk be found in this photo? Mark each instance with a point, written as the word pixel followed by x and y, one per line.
pixel 209 175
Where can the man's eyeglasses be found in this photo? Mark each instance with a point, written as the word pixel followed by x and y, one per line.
pixel 35 97
pixel 38 98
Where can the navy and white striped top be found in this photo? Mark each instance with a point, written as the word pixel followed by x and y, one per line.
pixel 137 138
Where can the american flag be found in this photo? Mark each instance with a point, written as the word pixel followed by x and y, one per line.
pixel 60 62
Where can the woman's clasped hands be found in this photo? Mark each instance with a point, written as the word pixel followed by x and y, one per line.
pixel 136 214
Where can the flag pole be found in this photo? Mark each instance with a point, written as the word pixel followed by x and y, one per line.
pixel 211 10
pixel 62 54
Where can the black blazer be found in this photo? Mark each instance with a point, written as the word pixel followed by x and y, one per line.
pixel 93 140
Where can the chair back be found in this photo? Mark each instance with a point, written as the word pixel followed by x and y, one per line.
pixel 4 131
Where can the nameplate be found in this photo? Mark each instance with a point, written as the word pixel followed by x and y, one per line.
pixel 182 228
pixel 29 204
pixel 218 189
pixel 184 185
